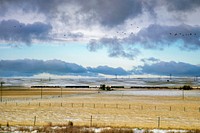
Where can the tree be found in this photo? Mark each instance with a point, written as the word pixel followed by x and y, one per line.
pixel 186 87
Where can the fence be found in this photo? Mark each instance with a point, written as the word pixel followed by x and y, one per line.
pixel 103 105
pixel 107 114
pixel 116 121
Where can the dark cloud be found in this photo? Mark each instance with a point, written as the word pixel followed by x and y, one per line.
pixel 26 67
pixel 31 67
pixel 158 36
pixel 182 5
pixel 153 37
pixel 14 31
pixel 167 68
pixel 108 70
pixel 111 12
pixel 149 6
pixel 48 8
pixel 108 13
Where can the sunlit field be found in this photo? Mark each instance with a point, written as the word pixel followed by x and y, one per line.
pixel 91 107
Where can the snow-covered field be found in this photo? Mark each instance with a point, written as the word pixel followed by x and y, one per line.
pixel 32 129
pixel 165 92
pixel 92 82
pixel 106 109
pixel 119 108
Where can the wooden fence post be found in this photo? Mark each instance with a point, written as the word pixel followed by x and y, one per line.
pixel 41 93
pixel 34 121
pixel 158 122
pixel 91 121
pixel 61 92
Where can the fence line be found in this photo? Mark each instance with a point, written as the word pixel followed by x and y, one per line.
pixel 140 122
pixel 104 105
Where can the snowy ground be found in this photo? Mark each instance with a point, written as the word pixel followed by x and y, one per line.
pixel 32 129
pixel 92 82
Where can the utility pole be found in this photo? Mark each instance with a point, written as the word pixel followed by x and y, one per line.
pixel 61 92
pixel 2 90
pixel 41 92
pixel 116 76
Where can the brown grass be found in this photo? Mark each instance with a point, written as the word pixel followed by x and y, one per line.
pixel 15 92
pixel 106 110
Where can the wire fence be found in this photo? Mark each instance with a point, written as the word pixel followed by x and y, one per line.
pixel 97 115
pixel 104 105
pixel 117 121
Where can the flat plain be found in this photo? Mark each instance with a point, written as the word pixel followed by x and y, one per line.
pixel 91 107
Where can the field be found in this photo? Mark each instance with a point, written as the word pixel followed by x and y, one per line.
pixel 89 107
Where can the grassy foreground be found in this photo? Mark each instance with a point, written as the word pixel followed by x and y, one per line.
pixel 87 107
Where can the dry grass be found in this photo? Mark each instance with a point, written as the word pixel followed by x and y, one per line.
pixel 106 110
pixel 29 92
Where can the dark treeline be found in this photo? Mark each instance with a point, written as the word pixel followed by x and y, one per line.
pixel 151 87
pixel 82 86
pixel 59 86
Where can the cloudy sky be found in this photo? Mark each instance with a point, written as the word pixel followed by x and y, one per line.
pixel 99 37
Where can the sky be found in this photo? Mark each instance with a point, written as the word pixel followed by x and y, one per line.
pixel 99 38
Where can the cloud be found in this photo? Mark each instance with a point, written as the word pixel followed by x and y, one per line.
pixel 158 36
pixel 182 5
pixel 151 59
pixel 91 19
pixel 154 36
pixel 26 67
pixel 167 68
pixel 74 36
pixel 115 47
pixel 108 70
pixel 107 13
pixel 14 31
pixel 111 12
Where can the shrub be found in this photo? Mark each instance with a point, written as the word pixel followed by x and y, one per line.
pixel 186 87
pixel 49 124
pixel 105 88
pixel 117 131
pixel 102 87
pixel 70 123
pixel 7 124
